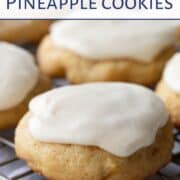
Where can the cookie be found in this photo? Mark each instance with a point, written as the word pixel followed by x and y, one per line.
pixel 169 88
pixel 10 117
pixel 20 81
pixel 50 63
pixel 23 31
pixel 178 35
pixel 107 50
pixel 69 133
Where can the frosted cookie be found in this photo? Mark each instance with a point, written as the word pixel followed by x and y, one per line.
pixel 20 81
pixel 169 88
pixel 133 51
pixel 23 31
pixel 96 131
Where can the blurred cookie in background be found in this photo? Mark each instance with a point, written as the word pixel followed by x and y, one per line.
pixel 178 36
pixel 23 31
pixel 20 81
pixel 169 88
pixel 51 59
pixel 87 51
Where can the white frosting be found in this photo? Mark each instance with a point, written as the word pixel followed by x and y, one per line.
pixel 141 40
pixel 172 73
pixel 117 117
pixel 18 75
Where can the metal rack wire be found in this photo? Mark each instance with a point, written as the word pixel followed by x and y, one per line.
pixel 11 168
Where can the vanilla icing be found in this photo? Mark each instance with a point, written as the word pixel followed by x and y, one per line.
pixel 140 40
pixel 18 75
pixel 117 117
pixel 172 73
